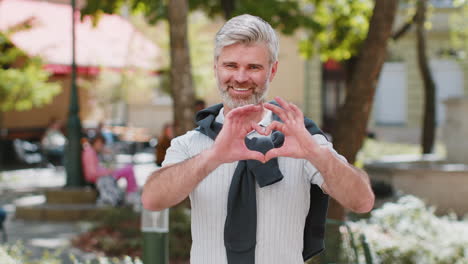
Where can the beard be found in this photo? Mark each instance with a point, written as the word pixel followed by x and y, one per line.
pixel 258 95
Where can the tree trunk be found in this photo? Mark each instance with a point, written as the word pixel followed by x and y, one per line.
pixel 351 125
pixel 428 129
pixel 181 83
pixel 354 114
pixel 228 7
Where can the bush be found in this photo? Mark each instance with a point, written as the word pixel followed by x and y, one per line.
pixel 409 232
pixel 18 254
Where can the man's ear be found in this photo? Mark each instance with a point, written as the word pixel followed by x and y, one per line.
pixel 274 68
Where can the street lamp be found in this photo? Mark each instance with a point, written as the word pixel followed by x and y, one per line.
pixel 155 229
pixel 73 149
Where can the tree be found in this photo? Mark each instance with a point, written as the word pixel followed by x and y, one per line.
pixel 459 30
pixel 429 120
pixel 23 82
pixel 181 83
pixel 429 111
pixel 353 115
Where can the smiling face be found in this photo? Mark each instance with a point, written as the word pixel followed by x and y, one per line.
pixel 243 73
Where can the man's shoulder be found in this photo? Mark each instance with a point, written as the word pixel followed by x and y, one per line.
pixel 190 137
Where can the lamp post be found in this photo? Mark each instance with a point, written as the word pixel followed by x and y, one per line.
pixel 155 229
pixel 73 149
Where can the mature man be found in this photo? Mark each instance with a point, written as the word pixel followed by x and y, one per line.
pixel 256 173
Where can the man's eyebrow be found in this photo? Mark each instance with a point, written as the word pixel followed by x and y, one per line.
pixel 256 64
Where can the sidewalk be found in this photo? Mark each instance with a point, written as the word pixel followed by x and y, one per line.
pixel 23 187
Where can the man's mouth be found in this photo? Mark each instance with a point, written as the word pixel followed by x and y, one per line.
pixel 240 89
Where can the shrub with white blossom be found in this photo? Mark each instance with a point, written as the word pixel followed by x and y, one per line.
pixel 18 254
pixel 408 232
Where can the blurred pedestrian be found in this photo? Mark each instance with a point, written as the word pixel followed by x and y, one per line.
pixel 199 105
pixel 53 142
pixel 164 142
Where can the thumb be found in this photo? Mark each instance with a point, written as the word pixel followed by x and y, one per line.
pixel 272 153
pixel 255 155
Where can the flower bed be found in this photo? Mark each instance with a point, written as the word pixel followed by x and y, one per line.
pixel 409 232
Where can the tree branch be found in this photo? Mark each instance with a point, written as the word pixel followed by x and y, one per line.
pixel 404 29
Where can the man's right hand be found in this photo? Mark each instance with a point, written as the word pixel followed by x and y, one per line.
pixel 229 145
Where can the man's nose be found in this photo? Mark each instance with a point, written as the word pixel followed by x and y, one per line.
pixel 241 76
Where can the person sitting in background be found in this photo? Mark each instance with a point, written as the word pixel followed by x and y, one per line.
pixel 53 142
pixel 164 142
pixel 199 105
pixel 103 129
pixel 104 178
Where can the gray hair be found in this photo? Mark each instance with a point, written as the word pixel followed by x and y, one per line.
pixel 247 29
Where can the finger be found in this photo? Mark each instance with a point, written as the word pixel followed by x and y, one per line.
pixel 287 107
pixel 272 153
pixel 297 111
pixel 275 125
pixel 237 116
pixel 241 111
pixel 282 103
pixel 255 155
pixel 278 111
pixel 261 130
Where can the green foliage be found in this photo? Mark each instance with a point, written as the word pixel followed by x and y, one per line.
pixel 153 10
pixel 19 254
pixel 333 29
pixel 25 85
pixel 343 27
pixel 459 29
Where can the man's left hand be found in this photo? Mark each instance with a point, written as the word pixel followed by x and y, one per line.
pixel 298 142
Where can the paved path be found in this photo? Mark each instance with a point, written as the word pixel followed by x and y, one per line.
pixel 23 186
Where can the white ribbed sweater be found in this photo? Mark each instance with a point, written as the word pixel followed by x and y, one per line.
pixel 281 208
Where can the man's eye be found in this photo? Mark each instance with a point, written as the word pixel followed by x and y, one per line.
pixel 255 67
pixel 231 66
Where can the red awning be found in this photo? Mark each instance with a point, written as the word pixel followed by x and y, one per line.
pixel 113 43
pixel 66 69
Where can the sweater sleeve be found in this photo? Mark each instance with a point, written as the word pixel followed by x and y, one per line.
pixel 179 149
pixel 312 173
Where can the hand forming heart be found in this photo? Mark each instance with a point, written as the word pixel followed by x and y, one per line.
pixel 298 142
pixel 239 122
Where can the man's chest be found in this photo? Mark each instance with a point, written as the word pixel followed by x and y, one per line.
pixel 213 190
